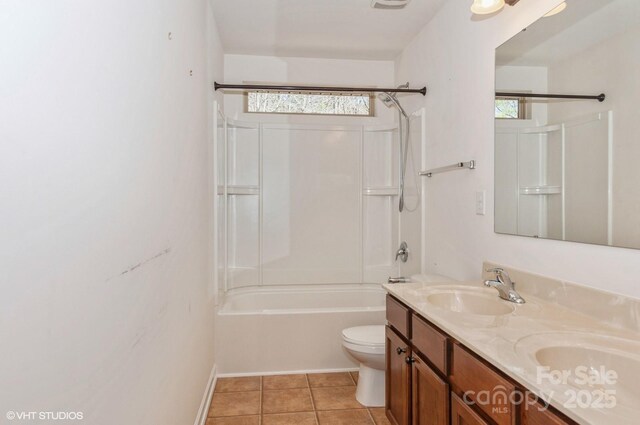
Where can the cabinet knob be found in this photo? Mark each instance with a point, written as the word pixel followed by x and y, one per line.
pixel 401 350
pixel 410 360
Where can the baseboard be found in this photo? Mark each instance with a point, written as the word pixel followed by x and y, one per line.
pixel 286 372
pixel 201 419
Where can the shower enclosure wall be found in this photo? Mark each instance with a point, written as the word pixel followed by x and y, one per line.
pixel 555 180
pixel 309 204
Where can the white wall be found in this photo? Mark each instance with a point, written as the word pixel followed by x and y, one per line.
pixel 106 301
pixel 454 56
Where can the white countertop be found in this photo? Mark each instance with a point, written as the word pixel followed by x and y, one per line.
pixel 510 341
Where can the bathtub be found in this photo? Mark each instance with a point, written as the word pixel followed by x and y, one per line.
pixel 289 329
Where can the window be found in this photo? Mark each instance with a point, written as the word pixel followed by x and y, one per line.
pixel 310 103
pixel 511 108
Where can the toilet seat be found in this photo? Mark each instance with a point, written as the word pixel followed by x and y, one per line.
pixel 365 336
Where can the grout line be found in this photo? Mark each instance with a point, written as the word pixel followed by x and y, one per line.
pixel 352 380
pixel 313 403
pixel 261 400
pixel 373 421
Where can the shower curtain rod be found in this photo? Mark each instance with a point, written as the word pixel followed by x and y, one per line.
pixel 218 86
pixel 600 98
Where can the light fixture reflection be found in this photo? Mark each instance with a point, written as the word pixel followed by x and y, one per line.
pixel 485 7
pixel 562 6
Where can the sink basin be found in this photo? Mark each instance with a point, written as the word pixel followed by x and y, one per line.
pixel 469 302
pixel 595 365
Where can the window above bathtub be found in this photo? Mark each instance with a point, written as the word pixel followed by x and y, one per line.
pixel 286 102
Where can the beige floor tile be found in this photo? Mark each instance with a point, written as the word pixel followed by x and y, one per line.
pixel 379 416
pixel 235 404
pixel 250 383
pixel 335 398
pixel 354 375
pixel 300 418
pixel 345 417
pixel 284 401
pixel 281 382
pixel 330 379
pixel 234 420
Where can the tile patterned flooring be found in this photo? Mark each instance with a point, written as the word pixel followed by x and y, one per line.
pixel 313 399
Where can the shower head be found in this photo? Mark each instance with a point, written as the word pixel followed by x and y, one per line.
pixel 390 100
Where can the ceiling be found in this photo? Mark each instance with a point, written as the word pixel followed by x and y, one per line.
pixel 583 24
pixel 341 29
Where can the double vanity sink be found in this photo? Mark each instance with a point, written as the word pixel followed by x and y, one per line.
pixel 586 369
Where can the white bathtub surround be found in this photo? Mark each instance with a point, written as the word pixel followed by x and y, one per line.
pixel 297 330
pixel 312 204
pixel 559 322
pixel 366 344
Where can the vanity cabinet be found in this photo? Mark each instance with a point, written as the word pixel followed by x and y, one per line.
pixel 431 379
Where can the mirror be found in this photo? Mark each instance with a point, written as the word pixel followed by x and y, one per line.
pixel 569 168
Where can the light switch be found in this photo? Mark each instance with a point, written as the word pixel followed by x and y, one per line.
pixel 480 203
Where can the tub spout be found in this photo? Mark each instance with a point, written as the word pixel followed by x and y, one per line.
pixel 400 279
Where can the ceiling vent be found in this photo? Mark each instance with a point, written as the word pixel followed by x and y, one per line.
pixel 389 4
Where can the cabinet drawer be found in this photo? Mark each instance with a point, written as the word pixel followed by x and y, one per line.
pixel 398 316
pixel 430 342
pixel 484 387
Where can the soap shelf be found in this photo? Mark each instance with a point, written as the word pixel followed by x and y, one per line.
pixel 380 191
pixel 239 190
pixel 541 190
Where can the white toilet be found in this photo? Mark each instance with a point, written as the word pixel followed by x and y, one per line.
pixel 366 345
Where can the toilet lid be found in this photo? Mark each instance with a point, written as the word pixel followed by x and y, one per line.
pixel 365 335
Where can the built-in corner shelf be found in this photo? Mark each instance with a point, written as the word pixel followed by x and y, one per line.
pixel 239 190
pixel 541 190
pixel 380 191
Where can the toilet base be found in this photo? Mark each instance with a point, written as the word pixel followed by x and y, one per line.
pixel 371 387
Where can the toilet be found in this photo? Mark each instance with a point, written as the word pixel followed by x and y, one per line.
pixel 366 344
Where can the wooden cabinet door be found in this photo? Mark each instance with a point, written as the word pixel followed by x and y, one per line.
pixel 461 414
pixel 533 413
pixel 430 396
pixel 398 379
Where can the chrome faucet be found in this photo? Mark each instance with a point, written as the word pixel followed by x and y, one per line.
pixel 504 285
pixel 400 279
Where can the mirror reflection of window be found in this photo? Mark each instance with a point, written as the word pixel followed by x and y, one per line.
pixel 511 108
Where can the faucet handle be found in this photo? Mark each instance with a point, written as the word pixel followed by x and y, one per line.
pixel 496 270
pixel 502 275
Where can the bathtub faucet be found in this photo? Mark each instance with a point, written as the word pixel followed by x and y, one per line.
pixel 400 279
